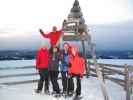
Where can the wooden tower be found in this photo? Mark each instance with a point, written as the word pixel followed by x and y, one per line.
pixel 75 29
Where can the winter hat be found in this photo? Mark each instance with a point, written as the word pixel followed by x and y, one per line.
pixel 45 42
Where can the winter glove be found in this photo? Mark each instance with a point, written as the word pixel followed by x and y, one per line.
pixel 81 76
pixel 41 31
pixel 69 76
pixel 69 65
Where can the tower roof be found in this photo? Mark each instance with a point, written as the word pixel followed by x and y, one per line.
pixel 75 12
pixel 76 7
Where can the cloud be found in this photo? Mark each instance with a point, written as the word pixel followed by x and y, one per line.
pixel 20 21
pixel 5 31
pixel 116 36
pixel 51 12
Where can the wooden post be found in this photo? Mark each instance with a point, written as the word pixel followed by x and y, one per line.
pixel 83 46
pixel 131 79
pixel 84 51
pixel 127 83
pixel 88 67
pixel 103 73
pixel 100 78
pixel 84 55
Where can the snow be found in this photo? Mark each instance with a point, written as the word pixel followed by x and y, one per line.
pixel 90 91
pixel 17 71
pixel 18 79
pixel 116 76
pixel 116 61
pixel 16 63
pixel 21 63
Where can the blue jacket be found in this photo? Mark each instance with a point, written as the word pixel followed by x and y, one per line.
pixel 64 62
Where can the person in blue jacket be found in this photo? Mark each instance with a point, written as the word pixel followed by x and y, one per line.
pixel 64 66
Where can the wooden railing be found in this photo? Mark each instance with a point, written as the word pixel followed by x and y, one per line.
pixel 18 75
pixel 109 71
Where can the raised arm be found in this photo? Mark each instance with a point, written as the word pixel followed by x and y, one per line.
pixel 43 34
pixel 61 31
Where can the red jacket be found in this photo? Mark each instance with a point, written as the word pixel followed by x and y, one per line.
pixel 53 36
pixel 77 65
pixel 42 59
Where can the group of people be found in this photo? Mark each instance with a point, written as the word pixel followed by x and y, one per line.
pixel 51 62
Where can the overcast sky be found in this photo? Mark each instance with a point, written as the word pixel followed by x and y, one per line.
pixel 20 20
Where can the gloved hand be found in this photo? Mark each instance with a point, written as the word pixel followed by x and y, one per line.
pixel 41 31
pixel 69 65
pixel 69 75
pixel 81 76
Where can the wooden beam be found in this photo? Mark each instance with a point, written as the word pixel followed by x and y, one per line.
pixel 18 75
pixel 12 68
pixel 75 37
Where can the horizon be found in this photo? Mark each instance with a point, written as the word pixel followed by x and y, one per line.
pixel 103 50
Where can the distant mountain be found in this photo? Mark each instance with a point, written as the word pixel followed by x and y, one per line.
pixel 27 55
pixel 17 55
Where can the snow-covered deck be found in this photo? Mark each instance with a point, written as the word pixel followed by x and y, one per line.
pixel 90 90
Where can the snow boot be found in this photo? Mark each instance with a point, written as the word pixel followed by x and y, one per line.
pixel 38 91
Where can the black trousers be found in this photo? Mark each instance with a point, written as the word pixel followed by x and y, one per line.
pixel 70 87
pixel 54 80
pixel 78 90
pixel 71 84
pixel 64 80
pixel 44 76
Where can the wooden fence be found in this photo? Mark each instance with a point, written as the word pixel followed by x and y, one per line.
pixel 122 75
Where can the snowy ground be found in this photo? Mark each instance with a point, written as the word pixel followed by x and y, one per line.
pixel 16 63
pixel 90 90
pixel 90 87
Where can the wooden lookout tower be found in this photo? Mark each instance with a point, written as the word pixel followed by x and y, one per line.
pixel 75 29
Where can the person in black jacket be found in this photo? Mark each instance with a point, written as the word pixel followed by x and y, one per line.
pixel 54 69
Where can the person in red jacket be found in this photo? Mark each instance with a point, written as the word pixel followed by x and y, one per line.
pixel 42 61
pixel 54 36
pixel 76 68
